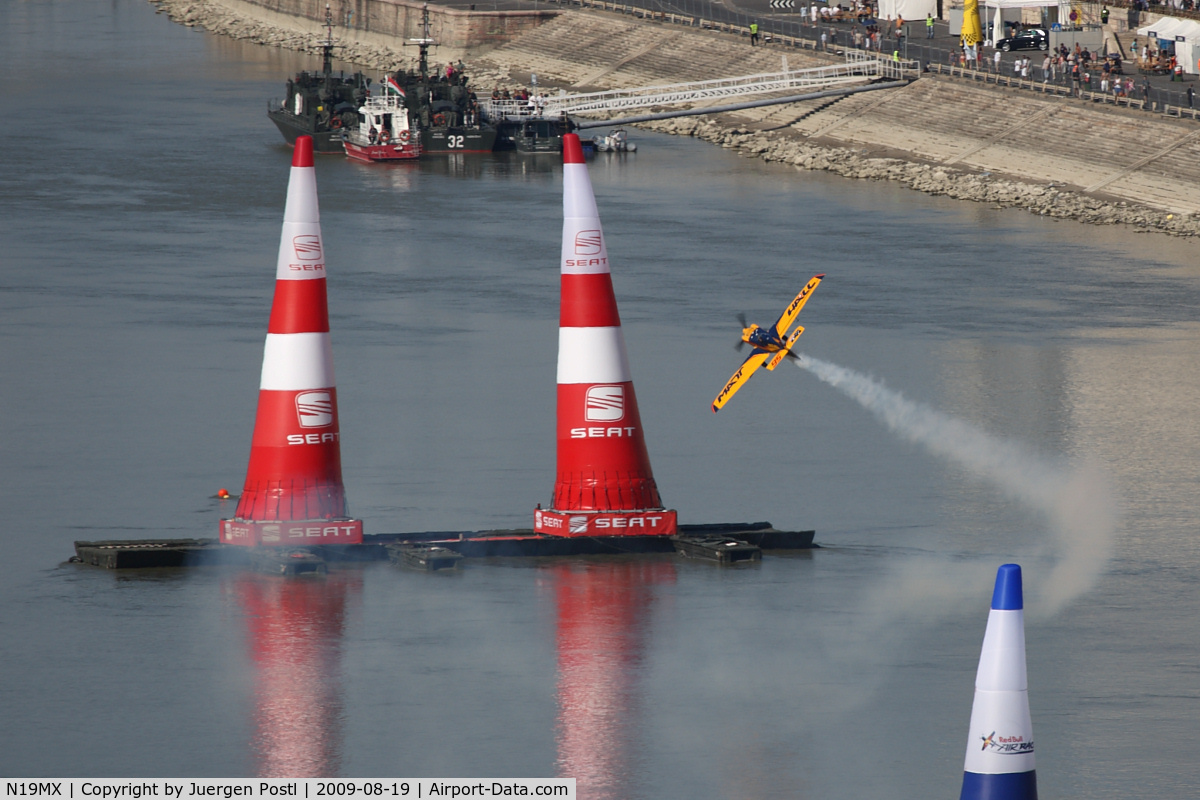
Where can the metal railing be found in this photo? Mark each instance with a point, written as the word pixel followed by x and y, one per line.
pixel 859 67
pixel 1153 100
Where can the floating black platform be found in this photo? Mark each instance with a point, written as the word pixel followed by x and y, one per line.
pixel 425 557
pixel 522 542
pixel 145 553
pixel 722 549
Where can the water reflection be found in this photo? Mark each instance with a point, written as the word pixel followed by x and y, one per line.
pixel 406 176
pixel 603 608
pixel 399 176
pixel 294 638
pixel 508 165
pixel 1016 388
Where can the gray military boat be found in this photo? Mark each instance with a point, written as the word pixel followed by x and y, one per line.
pixel 321 105
pixel 442 105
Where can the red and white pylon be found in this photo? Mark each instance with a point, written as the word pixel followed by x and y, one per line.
pixel 293 492
pixel 604 486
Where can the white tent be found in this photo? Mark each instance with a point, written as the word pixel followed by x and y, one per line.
pixel 914 10
pixel 1171 29
pixel 1064 9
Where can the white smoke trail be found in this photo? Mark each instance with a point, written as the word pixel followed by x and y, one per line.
pixel 1079 504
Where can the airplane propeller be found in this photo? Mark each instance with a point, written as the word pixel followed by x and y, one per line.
pixel 741 317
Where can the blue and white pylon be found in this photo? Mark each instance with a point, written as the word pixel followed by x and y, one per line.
pixel 999 763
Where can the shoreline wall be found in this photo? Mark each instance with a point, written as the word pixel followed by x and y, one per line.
pixel 401 19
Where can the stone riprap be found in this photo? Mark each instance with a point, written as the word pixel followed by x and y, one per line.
pixel 301 35
pixel 983 187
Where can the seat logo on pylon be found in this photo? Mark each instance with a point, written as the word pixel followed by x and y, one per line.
pixel 577 524
pixel 605 404
pixel 588 243
pixel 307 247
pixel 314 409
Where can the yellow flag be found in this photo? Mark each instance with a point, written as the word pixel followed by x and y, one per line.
pixel 972 34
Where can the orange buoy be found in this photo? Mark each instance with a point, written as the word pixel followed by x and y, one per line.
pixel 223 494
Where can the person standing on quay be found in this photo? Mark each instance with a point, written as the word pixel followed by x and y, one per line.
pixel 997 58
pixel 753 33
pixel 929 26
pixel 1191 95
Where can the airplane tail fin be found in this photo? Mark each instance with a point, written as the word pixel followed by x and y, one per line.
pixel 777 359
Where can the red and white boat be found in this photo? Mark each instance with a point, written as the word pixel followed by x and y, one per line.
pixel 383 132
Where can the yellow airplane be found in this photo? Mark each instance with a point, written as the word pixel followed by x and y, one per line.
pixel 771 345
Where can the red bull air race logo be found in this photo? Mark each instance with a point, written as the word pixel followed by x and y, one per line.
pixel 1006 745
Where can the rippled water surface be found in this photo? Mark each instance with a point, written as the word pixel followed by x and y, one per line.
pixel 140 203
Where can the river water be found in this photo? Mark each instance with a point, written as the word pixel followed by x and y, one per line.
pixel 140 202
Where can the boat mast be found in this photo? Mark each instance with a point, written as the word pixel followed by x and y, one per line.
pixel 327 45
pixel 423 45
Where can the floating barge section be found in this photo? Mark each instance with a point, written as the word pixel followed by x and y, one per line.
pixel 429 558
pixel 722 549
pixel 150 553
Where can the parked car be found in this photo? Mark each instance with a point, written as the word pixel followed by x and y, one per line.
pixel 1028 39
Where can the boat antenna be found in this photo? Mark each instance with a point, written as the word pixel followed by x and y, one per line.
pixel 327 45
pixel 423 44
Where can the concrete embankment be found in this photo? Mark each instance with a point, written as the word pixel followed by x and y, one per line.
pixel 1056 157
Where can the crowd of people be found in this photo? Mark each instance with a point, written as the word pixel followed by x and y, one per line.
pixel 1179 5
pixel 835 13
pixel 1082 68
pixel 867 31
pixel 1077 67
pixel 522 100
pixel 1159 62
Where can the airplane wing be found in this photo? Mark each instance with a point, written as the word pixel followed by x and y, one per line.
pixel 787 348
pixel 793 309
pixel 743 374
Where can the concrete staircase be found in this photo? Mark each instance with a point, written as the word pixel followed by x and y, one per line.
pixel 584 45
pixel 787 116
